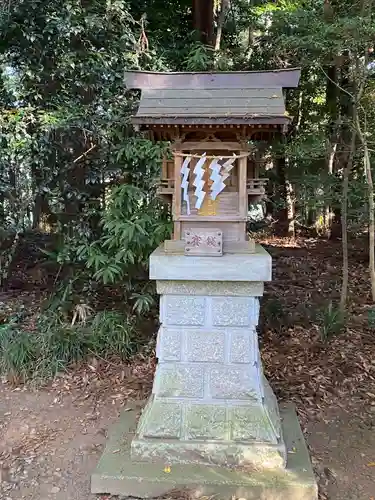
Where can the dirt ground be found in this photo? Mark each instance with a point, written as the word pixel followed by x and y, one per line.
pixel 51 438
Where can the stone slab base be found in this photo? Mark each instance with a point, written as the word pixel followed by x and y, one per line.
pixel 208 452
pixel 117 474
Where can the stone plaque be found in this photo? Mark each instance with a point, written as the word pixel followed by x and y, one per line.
pixel 204 242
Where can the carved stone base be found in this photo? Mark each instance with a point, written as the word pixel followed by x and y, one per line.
pixel 210 403
pixel 229 434
pixel 118 474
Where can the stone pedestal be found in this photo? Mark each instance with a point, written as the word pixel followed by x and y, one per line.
pixel 118 474
pixel 210 403
pixel 212 415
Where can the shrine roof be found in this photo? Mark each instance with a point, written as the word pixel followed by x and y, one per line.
pixel 220 98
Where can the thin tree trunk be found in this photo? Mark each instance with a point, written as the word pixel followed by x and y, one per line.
pixel 366 8
pixel 367 164
pixel 291 209
pixel 332 111
pixel 281 197
pixel 328 211
pixel 220 23
pixel 344 225
pixel 371 207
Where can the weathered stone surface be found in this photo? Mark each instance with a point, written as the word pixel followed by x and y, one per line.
pixel 206 422
pixel 176 380
pixel 117 474
pixel 169 344
pixel 243 346
pixel 271 406
pixel 182 310
pixel 205 452
pixel 224 288
pixel 160 419
pixel 251 423
pixel 230 267
pixel 205 346
pixel 234 311
pixel 228 382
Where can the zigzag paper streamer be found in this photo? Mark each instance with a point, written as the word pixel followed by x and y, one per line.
pixel 227 167
pixel 199 181
pixel 185 170
pixel 217 185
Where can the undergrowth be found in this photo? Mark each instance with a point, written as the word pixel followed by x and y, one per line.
pixel 330 321
pixel 54 343
pixel 327 318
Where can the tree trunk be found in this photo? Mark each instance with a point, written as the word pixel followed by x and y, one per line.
pixel 367 163
pixel 281 198
pixel 332 139
pixel 291 210
pixel 344 225
pixel 203 19
pixel 220 23
pixel 371 207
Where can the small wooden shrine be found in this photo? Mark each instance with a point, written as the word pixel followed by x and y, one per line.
pixel 210 120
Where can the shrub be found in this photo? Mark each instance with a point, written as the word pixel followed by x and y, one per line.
pixel 19 353
pixel 57 344
pixel 330 321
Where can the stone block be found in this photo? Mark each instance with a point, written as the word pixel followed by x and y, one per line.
pixel 205 346
pixel 206 422
pixel 229 382
pixel 230 267
pixel 234 311
pixel 208 288
pixel 177 380
pixel 169 344
pixel 180 310
pixel 251 423
pixel 161 420
pixel 243 346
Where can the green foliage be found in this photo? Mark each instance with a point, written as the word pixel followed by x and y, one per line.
pixel 330 321
pixel 19 352
pixel 200 57
pixel 57 343
pixel 273 314
pixel 131 230
pixel 132 226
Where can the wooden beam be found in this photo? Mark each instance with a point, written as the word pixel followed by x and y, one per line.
pixel 210 218
pixel 215 145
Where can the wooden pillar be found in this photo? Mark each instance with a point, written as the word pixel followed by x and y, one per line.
pixel 164 169
pixel 242 178
pixel 176 208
